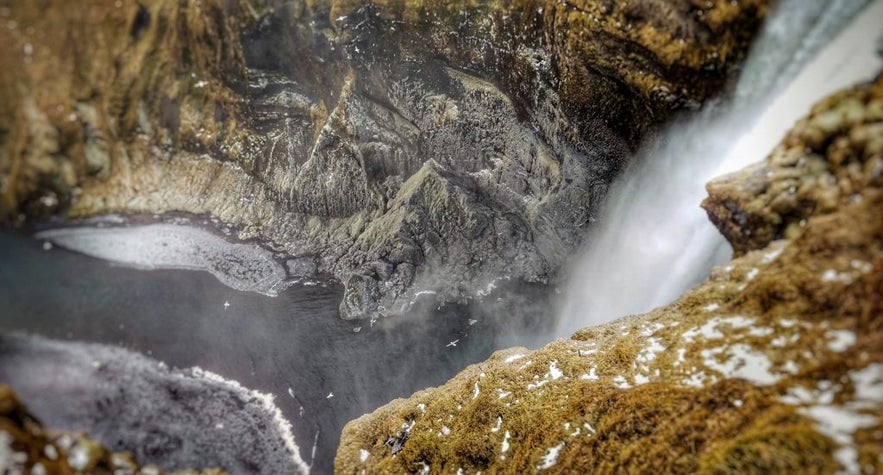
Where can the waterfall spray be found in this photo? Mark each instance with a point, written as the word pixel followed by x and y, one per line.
pixel 654 242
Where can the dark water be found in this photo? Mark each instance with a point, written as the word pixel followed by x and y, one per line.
pixel 270 344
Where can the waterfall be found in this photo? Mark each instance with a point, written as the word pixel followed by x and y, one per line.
pixel 654 241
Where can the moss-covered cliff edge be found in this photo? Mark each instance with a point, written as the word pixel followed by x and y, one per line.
pixel 398 145
pixel 774 365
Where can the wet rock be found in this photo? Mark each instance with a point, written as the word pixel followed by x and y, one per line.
pixel 458 141
pixel 774 365
pixel 27 447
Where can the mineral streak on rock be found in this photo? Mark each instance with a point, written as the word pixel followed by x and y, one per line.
pixel 413 145
pixel 246 267
pixel 774 365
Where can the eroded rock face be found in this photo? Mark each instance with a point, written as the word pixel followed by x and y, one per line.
pixel 27 447
pixel 774 365
pixel 404 145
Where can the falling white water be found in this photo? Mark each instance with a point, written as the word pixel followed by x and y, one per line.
pixel 654 241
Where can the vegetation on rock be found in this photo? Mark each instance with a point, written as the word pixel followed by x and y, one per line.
pixel 774 365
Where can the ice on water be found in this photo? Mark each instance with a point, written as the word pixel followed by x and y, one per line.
pixel 242 266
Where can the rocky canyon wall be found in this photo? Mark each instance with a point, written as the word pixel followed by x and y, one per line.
pixel 397 145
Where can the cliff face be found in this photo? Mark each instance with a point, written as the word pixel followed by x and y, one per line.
pixel 373 140
pixel 774 365
pixel 27 447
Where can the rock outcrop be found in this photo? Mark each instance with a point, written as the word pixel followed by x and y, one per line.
pixel 27 447
pixel 399 145
pixel 774 365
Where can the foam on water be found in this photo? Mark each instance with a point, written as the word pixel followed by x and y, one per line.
pixel 654 241
pixel 246 267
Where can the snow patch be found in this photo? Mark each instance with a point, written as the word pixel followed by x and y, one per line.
pixel 840 340
pixel 554 372
pixel 499 425
pixel 741 361
pixel 868 384
pixel 710 329
pixel 840 424
pixel 592 375
pixel 551 457
pixel 831 275
pixel 505 447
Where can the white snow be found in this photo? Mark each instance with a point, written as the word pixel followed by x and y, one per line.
pixel 78 457
pixel 653 348
pixel 10 460
pixel 779 341
pixel 551 457
pixel 741 361
pixel 695 380
pixel 868 384
pixel 710 329
pixel 711 307
pixel 499 425
pixel 861 266
pixel 760 331
pixel 50 451
pixel 554 372
pixel 772 255
pixel 840 424
pixel 505 447
pixel 620 382
pixel 681 353
pixel 512 358
pixel 592 375
pixel 648 331
pixel 840 340
pixel 752 274
pixel 831 275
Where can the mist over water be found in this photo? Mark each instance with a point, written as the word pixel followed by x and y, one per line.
pixel 654 241
pixel 321 371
